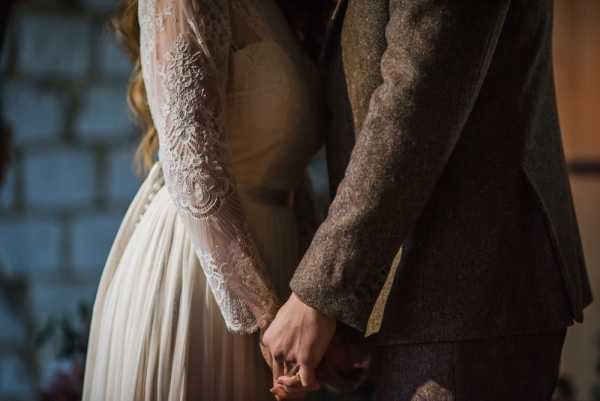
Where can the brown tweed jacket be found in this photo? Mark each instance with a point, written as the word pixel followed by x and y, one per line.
pixel 444 139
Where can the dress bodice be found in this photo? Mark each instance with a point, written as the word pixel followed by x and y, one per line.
pixel 272 116
pixel 273 102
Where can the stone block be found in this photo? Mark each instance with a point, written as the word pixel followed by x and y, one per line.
pixel 30 245
pixel 60 178
pixel 52 300
pixel 33 113
pixel 113 61
pixel 122 182
pixel 104 115
pixel 92 238
pixel 15 379
pixel 13 332
pixel 54 46
pixel 8 190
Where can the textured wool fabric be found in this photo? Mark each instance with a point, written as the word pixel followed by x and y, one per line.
pixel 519 368
pixel 456 156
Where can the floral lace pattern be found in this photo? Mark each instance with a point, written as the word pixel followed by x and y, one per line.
pixel 185 47
pixel 198 176
pixel 218 273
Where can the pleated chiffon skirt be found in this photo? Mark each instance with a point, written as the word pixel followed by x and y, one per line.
pixel 157 333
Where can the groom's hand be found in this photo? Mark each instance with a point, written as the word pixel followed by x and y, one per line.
pixel 346 364
pixel 298 339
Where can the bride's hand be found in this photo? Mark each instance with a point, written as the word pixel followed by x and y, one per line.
pixel 264 321
pixel 289 387
pixel 265 352
pixel 284 387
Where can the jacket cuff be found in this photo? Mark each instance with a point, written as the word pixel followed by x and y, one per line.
pixel 352 308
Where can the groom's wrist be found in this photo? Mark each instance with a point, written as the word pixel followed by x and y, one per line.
pixel 345 307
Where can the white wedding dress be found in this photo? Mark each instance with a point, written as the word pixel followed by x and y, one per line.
pixel 210 240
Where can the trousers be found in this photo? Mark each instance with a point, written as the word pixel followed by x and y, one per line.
pixel 513 368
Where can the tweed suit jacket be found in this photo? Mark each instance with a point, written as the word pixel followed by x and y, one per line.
pixel 444 139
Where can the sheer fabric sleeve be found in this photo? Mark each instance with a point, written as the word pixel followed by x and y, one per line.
pixel 185 48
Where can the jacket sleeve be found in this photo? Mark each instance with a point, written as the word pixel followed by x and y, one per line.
pixel 437 56
pixel 185 49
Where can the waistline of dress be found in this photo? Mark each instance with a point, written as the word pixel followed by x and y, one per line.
pixel 256 193
pixel 268 196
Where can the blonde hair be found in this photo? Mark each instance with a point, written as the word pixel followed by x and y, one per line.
pixel 126 26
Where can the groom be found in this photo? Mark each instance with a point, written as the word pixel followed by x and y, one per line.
pixel 444 140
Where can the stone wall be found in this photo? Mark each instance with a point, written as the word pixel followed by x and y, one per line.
pixel 63 94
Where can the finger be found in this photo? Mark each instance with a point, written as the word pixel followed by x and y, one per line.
pixel 286 370
pixel 279 392
pixel 291 369
pixel 266 356
pixel 286 393
pixel 290 381
pixel 308 377
pixel 278 368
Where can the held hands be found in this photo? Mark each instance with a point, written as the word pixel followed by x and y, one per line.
pixel 297 340
pixel 305 352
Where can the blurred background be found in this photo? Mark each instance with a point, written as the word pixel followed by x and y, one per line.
pixel 70 179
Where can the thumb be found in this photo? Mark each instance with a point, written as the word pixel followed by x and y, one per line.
pixel 308 378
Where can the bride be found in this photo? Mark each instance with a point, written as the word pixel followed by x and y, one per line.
pixel 206 249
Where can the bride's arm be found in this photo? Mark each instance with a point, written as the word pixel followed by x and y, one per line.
pixel 185 48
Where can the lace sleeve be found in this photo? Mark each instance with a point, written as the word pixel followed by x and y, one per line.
pixel 185 47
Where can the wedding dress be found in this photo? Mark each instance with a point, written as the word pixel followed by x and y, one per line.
pixel 210 240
